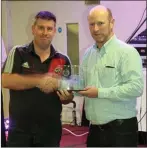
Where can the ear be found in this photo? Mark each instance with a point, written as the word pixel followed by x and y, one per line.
pixel 55 30
pixel 112 23
pixel 33 29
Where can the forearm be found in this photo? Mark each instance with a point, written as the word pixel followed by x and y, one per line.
pixel 122 92
pixel 20 82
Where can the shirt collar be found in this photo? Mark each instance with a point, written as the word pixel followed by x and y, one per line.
pixel 108 43
pixel 31 49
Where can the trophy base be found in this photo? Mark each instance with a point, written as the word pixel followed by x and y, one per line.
pixel 76 90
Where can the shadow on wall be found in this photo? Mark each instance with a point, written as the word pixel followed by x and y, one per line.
pixel 86 32
pixel 29 28
pixel 73 42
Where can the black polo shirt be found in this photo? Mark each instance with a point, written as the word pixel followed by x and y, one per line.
pixel 33 106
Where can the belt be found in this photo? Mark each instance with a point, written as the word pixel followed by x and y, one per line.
pixel 108 125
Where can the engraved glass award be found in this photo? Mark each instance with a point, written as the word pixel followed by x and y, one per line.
pixel 72 77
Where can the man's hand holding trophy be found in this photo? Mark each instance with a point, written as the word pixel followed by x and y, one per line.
pixel 64 80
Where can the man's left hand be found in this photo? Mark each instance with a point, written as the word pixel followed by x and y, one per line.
pixel 90 91
pixel 65 95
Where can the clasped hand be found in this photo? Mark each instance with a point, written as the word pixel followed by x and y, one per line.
pixel 48 83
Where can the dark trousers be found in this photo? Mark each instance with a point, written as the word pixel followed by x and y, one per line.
pixel 36 137
pixel 3 137
pixel 117 133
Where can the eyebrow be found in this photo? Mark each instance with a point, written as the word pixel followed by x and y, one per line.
pixel 97 22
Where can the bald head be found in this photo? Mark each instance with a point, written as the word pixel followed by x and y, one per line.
pixel 101 24
pixel 101 10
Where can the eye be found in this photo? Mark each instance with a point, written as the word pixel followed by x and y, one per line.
pixel 100 23
pixel 92 24
pixel 41 27
pixel 49 28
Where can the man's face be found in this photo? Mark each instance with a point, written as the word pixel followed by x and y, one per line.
pixel 43 31
pixel 100 27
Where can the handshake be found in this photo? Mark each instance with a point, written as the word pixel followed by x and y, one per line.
pixel 49 83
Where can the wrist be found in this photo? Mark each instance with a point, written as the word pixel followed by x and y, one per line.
pixel 38 80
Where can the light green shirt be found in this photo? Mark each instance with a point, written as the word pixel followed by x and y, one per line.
pixel 116 70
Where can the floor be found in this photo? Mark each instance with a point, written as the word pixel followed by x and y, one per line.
pixel 74 136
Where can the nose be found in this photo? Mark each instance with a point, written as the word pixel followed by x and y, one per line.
pixel 96 27
pixel 45 31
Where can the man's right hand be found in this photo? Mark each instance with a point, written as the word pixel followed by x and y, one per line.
pixel 48 84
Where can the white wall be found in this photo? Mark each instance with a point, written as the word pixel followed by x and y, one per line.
pixel 17 17
pixel 3 52
pixel 127 15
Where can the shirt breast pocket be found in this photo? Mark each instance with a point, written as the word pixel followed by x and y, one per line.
pixel 107 75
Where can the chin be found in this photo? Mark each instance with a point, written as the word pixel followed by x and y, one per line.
pixel 44 46
pixel 100 41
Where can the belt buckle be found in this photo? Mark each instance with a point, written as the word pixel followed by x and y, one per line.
pixel 101 128
pixel 120 121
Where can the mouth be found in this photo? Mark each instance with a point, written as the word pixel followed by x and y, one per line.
pixel 44 38
pixel 97 34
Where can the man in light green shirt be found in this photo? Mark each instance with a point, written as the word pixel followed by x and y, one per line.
pixel 114 80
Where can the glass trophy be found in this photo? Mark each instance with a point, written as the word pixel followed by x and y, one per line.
pixel 71 77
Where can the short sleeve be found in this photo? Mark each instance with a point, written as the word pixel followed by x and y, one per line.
pixel 13 62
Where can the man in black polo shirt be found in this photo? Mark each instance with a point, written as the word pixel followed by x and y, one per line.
pixel 31 73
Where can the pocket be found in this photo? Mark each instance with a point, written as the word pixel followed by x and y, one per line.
pixel 127 127
pixel 107 76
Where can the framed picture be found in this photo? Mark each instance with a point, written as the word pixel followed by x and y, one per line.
pixel 92 2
